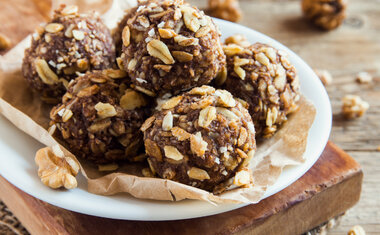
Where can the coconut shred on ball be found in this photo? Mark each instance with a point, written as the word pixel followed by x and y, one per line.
pixel 100 117
pixel 203 138
pixel 169 47
pixel 264 78
pixel 69 44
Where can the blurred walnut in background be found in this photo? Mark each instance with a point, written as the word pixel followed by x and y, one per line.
pixel 224 9
pixel 326 14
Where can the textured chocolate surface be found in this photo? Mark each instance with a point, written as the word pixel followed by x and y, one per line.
pixel 201 138
pixel 99 117
pixel 169 47
pixel 264 78
pixel 68 45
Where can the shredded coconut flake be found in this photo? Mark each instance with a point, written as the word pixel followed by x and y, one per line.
pixel 160 25
pixel 222 149
pixel 60 112
pixel 140 80
pixel 52 63
pixel 140 8
pixel 61 66
pixel 79 74
pixel 151 32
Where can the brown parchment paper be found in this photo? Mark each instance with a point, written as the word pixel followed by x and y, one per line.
pixel 25 109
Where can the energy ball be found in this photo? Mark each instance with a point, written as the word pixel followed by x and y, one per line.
pixel 169 47
pixel 69 44
pixel 264 78
pixel 99 118
pixel 203 138
pixel 326 14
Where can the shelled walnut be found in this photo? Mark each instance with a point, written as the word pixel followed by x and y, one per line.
pixel 55 169
pixel 67 46
pixel 353 106
pixel 356 230
pixel 326 14
pixel 224 9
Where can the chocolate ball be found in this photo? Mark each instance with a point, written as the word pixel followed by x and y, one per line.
pixel 263 77
pixel 203 138
pixel 99 117
pixel 69 44
pixel 170 47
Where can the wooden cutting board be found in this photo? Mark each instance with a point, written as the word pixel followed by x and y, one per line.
pixel 328 189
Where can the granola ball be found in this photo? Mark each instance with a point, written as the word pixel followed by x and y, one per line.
pixel 264 78
pixel 203 138
pixel 99 118
pixel 69 44
pixel 326 14
pixel 169 47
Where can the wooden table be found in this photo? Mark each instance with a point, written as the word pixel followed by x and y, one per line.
pixel 352 48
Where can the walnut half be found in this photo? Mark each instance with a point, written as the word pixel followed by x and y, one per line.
pixel 225 9
pixel 326 14
pixel 55 169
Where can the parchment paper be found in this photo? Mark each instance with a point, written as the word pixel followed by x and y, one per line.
pixel 25 109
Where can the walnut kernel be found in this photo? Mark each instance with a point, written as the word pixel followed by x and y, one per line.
pixel 353 106
pixel 55 169
pixel 326 14
pixel 356 230
pixel 225 9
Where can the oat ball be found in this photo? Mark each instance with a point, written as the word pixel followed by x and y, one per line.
pixel 69 44
pixel 99 117
pixel 326 14
pixel 203 138
pixel 264 78
pixel 169 47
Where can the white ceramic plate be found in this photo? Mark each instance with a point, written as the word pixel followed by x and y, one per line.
pixel 17 159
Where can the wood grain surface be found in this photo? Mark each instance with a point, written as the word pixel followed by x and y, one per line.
pixel 352 48
pixel 328 189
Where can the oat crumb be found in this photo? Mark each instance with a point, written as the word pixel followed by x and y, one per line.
pixel 224 9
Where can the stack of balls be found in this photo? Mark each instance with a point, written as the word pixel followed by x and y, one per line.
pixel 163 84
